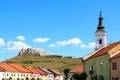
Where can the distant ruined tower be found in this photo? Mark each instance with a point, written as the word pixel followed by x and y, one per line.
pixel 100 33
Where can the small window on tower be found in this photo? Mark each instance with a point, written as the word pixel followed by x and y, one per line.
pixel 100 41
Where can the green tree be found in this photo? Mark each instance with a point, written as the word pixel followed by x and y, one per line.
pixel 76 76
pixel 91 72
pixel 95 77
pixel 83 76
pixel 66 71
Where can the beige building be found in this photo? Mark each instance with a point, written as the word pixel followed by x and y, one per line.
pixel 115 66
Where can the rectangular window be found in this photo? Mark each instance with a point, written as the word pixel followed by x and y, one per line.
pixel 106 78
pixel 106 64
pixel 91 67
pixel 11 74
pixel 7 74
pixel 97 65
pixel 114 66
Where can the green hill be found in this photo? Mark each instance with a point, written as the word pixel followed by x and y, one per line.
pixel 49 62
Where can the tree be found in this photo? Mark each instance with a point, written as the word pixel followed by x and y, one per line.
pixel 95 77
pixel 91 72
pixel 83 76
pixel 101 77
pixel 66 71
pixel 76 76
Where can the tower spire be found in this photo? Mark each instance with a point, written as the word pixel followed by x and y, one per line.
pixel 100 24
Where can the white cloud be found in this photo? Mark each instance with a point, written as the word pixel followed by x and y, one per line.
pixel 21 38
pixel 52 45
pixel 16 45
pixel 71 42
pixel 89 45
pixel 2 43
pixel 41 40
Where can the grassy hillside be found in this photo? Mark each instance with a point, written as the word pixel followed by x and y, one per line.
pixel 49 62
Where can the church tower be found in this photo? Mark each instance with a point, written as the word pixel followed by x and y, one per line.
pixel 100 33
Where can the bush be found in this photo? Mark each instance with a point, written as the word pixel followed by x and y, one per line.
pixel 27 62
pixel 81 76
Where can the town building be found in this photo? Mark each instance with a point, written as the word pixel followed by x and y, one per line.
pixel 9 72
pixel 43 74
pixel 57 75
pixel 24 73
pixel 18 72
pixel 78 69
pixel 97 63
pixel 50 75
pixel 115 66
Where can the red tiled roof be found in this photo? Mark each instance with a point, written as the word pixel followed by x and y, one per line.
pixel 31 69
pixel 54 71
pixel 78 69
pixel 40 71
pixel 7 67
pixel 116 55
pixel 20 68
pixel 104 50
pixel 1 69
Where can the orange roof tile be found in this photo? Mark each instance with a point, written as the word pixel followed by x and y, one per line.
pixel 40 71
pixel 54 71
pixel 78 69
pixel 7 67
pixel 104 50
pixel 20 68
pixel 31 69
pixel 1 69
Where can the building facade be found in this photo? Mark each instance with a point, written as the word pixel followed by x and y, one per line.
pixel 18 72
pixel 98 64
pixel 115 64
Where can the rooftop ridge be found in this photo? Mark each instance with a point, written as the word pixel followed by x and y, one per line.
pixel 103 50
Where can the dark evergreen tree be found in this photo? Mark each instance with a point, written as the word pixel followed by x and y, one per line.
pixel 66 71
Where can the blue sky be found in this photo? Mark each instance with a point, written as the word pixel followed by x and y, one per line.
pixel 63 27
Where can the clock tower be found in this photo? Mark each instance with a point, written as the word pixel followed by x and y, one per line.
pixel 100 33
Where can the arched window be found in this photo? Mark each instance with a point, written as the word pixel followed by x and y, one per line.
pixel 100 41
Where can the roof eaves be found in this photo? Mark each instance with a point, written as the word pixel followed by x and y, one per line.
pixel 114 55
pixel 94 52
